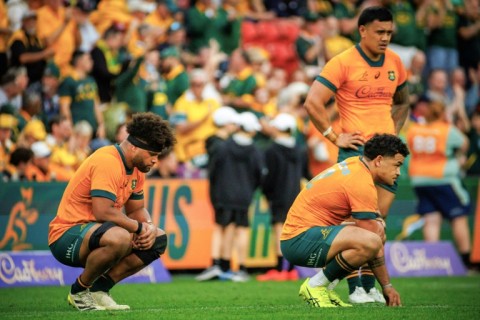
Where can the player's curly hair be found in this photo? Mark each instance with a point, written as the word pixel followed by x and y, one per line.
pixel 152 130
pixel 386 145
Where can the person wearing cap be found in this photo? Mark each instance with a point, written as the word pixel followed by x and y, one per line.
pixel 109 59
pixel 8 123
pixel 102 225
pixel 79 94
pixel 174 73
pixel 192 119
pixel 28 49
pixel 310 45
pixel 226 121
pixel 41 169
pixel 236 170
pixel 435 169
pixel 57 27
pixel 49 92
pixel 286 163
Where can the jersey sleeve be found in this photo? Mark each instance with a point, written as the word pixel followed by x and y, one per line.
pixel 137 193
pixel 332 75
pixel 106 176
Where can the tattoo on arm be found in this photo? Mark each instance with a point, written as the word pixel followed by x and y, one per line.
pixel 400 108
pixel 377 262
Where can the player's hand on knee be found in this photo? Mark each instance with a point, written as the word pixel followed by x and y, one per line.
pixel 145 240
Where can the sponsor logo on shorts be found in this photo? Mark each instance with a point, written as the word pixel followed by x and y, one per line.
pixel 313 258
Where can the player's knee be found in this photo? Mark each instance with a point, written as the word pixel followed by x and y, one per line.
pixel 152 254
pixel 370 244
pixel 118 240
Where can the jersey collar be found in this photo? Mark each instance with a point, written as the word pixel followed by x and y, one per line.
pixel 370 62
pixel 127 170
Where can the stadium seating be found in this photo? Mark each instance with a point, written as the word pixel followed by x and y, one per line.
pixel 277 37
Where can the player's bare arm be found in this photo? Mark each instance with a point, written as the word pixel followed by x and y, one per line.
pixel 317 98
pixel 104 210
pixel 136 210
pixel 400 108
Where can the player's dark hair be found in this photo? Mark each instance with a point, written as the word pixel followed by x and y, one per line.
pixel 152 130
pixel 371 14
pixel 386 145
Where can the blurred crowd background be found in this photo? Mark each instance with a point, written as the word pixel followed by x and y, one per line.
pixel 73 72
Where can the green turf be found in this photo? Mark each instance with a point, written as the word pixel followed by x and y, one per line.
pixel 423 298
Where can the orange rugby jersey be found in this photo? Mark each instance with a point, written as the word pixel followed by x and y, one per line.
pixel 431 149
pixel 364 89
pixel 345 189
pixel 103 174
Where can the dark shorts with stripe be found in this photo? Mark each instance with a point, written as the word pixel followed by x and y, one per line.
pixel 67 248
pixel 344 153
pixel 224 217
pixel 310 248
pixel 443 199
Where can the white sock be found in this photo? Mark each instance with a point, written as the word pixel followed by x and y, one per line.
pixel 319 280
pixel 333 284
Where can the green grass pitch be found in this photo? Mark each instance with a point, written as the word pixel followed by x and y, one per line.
pixel 183 298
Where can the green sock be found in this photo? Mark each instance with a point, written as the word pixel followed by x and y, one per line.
pixel 337 268
pixel 353 281
pixel 367 278
pixel 103 283
pixel 78 286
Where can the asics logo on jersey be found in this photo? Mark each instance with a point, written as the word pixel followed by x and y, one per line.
pixel 377 75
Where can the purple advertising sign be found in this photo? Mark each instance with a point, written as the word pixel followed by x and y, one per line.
pixel 40 268
pixel 423 259
pixel 415 259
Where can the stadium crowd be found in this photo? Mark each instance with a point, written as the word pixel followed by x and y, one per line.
pixel 73 72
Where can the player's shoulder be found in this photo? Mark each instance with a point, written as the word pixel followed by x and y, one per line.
pixel 106 155
pixel 390 54
pixel 346 55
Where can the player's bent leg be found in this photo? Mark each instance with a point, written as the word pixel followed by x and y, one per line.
pixel 130 264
